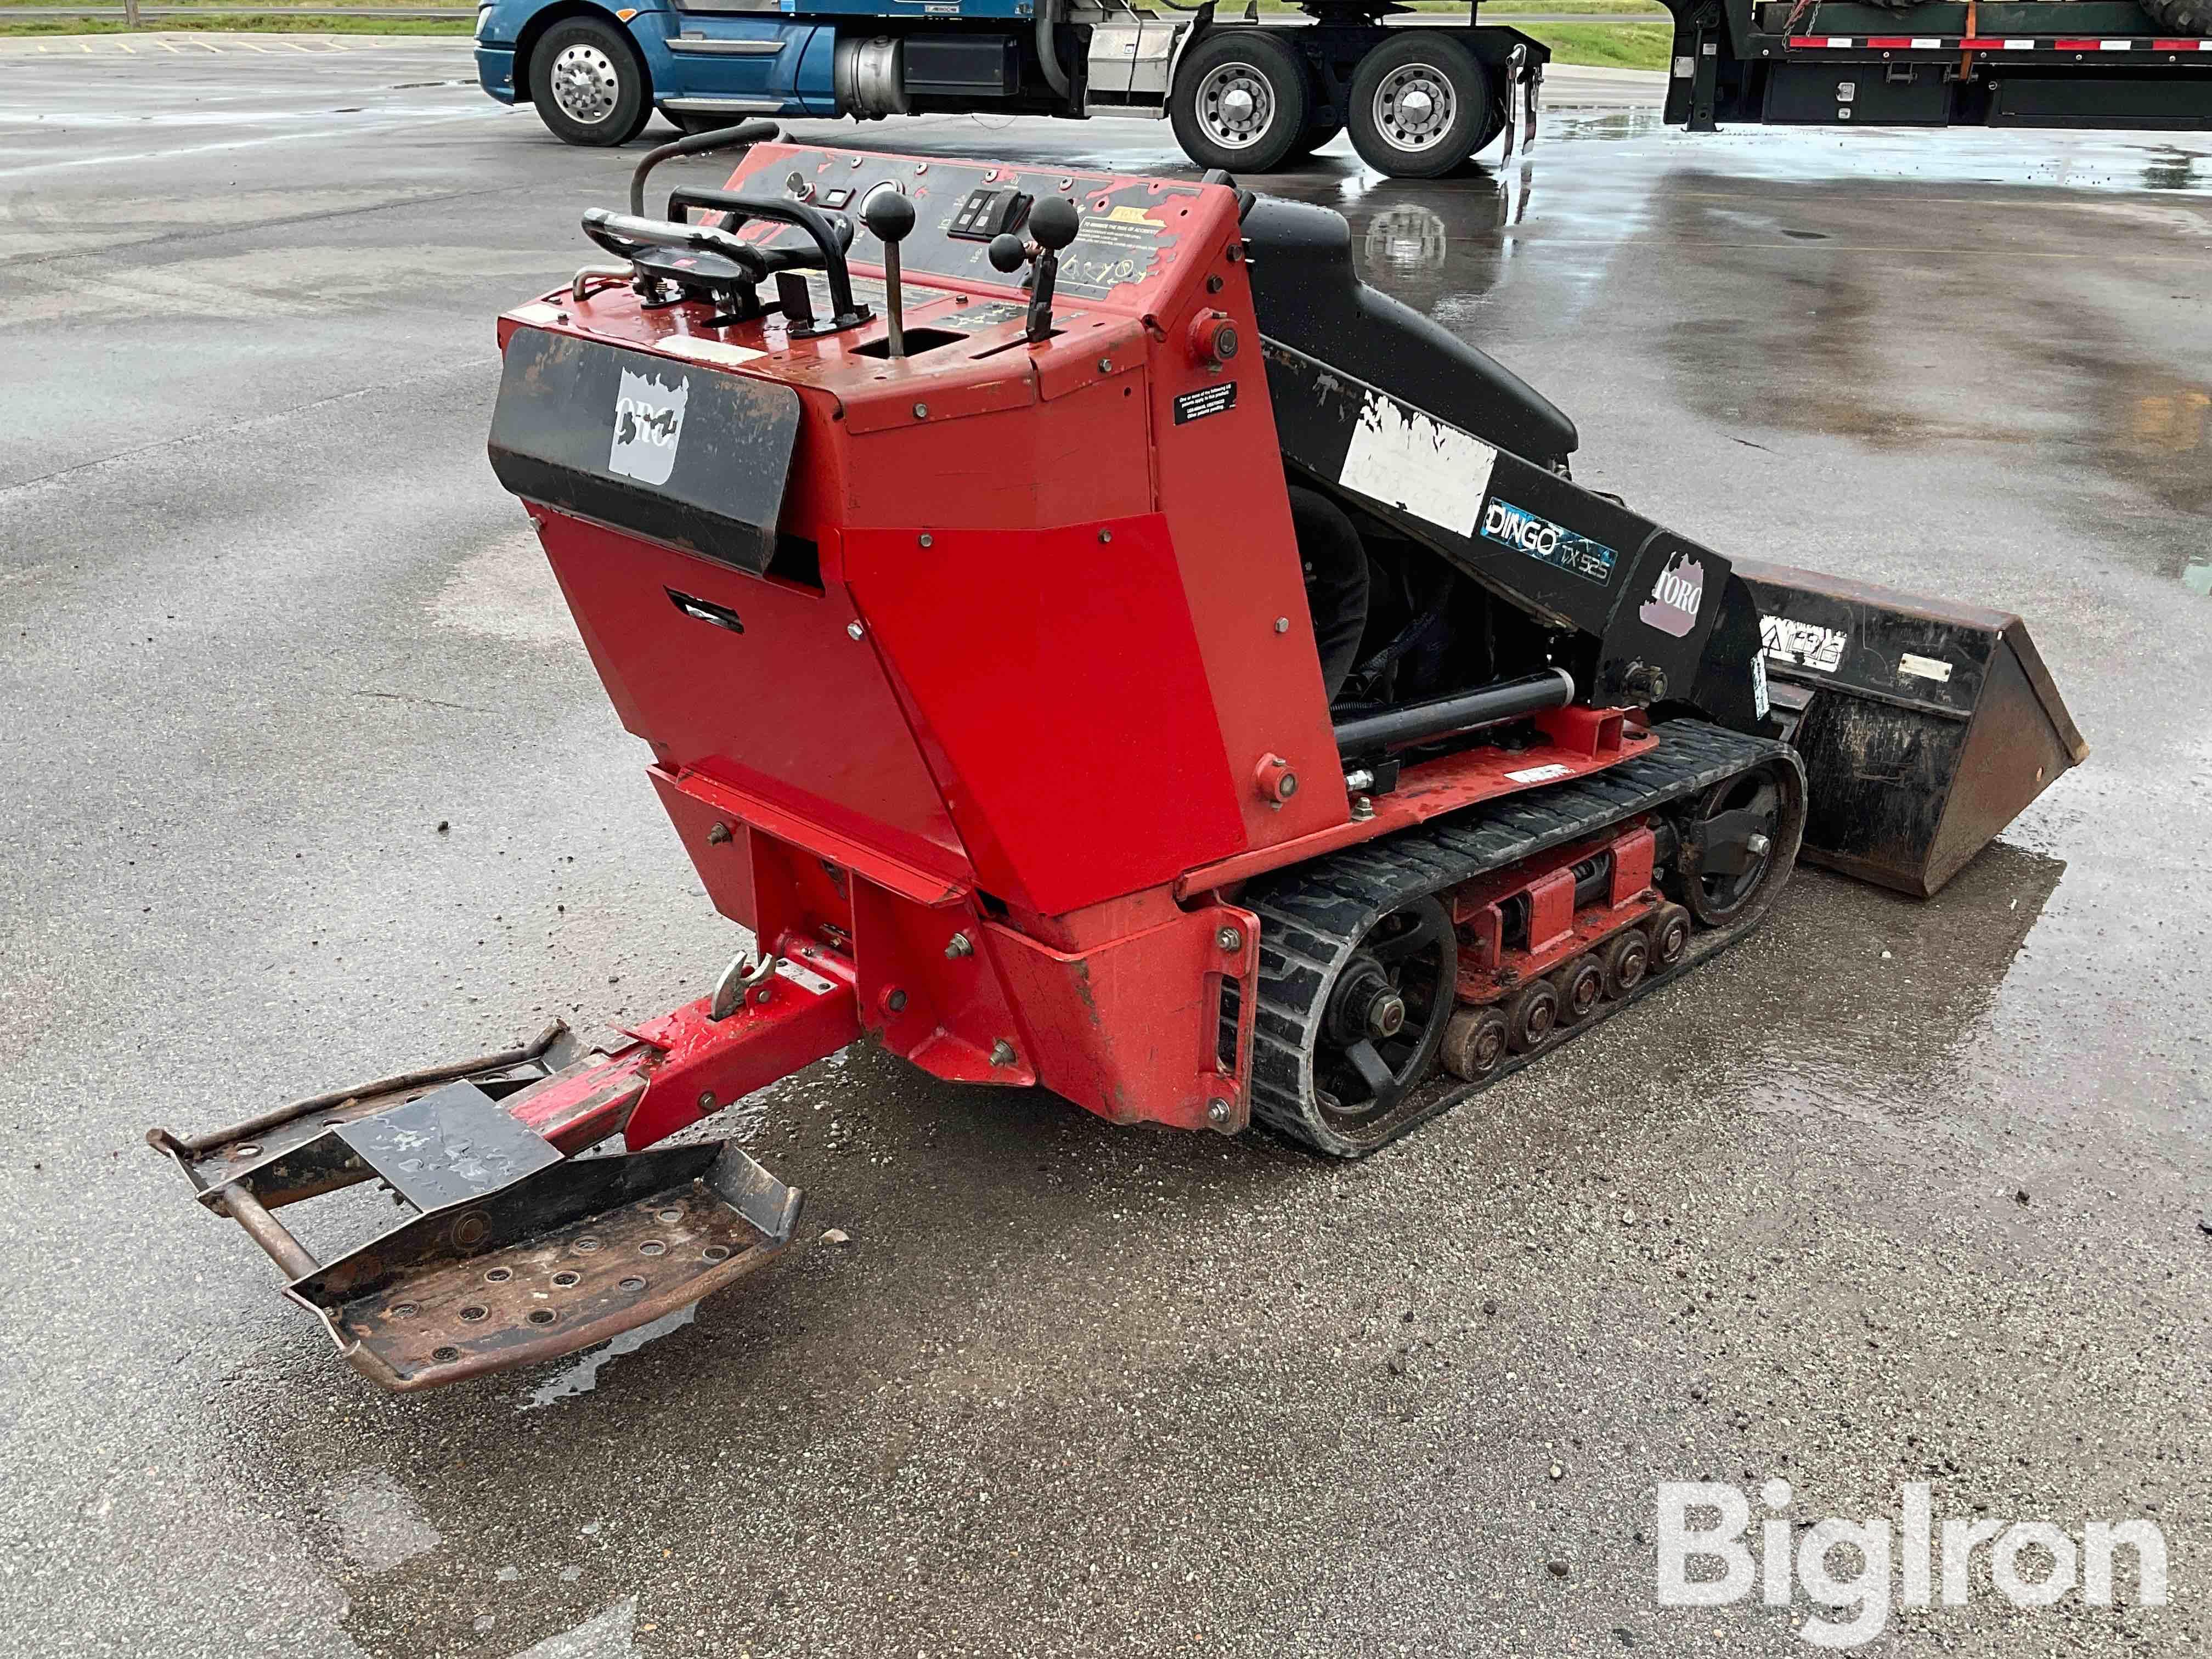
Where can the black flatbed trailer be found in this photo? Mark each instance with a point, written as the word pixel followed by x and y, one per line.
pixel 2041 64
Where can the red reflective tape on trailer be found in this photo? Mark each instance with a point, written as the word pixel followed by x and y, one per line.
pixel 1801 41
pixel 1887 42
pixel 2181 45
pixel 1981 46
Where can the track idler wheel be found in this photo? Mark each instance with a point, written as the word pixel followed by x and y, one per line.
pixel 1530 1014
pixel 1386 1019
pixel 1474 1043
pixel 1625 961
pixel 1670 935
pixel 1582 987
pixel 1740 832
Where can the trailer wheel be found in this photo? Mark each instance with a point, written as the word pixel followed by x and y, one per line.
pixel 1240 100
pixel 1418 104
pixel 2182 16
pixel 589 84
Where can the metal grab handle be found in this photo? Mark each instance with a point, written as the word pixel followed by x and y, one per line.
pixel 744 136
pixel 623 234
pixel 832 236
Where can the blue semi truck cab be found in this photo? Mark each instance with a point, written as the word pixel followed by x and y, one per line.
pixel 1248 96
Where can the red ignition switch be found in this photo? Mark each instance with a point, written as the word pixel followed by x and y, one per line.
pixel 1213 339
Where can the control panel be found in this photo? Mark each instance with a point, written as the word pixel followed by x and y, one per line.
pixel 1129 234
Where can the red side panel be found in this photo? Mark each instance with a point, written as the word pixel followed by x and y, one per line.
pixel 1064 740
pixel 790 709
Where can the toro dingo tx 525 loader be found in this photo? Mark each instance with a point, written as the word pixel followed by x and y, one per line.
pixel 1093 641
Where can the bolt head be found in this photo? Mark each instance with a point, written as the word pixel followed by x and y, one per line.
pixel 1282 624
pixel 1288 787
pixel 1217 1112
pixel 1756 845
pixel 1105 365
pixel 1002 1053
pixel 1228 938
pixel 717 833
pixel 921 411
pixel 896 1002
pixel 707 1100
pixel 926 539
pixel 1386 1014
pixel 762 995
pixel 854 630
pixel 1105 535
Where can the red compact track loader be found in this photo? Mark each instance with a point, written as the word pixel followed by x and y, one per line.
pixel 1093 641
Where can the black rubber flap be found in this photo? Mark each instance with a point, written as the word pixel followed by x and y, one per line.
pixel 677 453
pixel 1925 726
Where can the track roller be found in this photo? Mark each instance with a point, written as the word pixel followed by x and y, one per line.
pixel 1582 987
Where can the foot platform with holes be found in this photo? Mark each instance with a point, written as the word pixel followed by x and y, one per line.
pixel 566 1257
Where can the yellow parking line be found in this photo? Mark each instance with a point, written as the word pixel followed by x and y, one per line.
pixel 125 46
pixel 167 47
pixel 296 46
pixel 250 47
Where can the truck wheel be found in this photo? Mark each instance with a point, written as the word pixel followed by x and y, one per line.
pixel 2182 16
pixel 589 84
pixel 1417 103
pixel 1240 102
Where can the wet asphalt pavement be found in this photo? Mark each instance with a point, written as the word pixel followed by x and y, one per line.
pixel 1892 1191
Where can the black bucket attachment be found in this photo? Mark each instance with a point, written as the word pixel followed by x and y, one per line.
pixel 1925 726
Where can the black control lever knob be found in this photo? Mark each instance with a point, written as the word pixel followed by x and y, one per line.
pixel 1007 252
pixel 1055 222
pixel 890 217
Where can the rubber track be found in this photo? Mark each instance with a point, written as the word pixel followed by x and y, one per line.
pixel 1313 917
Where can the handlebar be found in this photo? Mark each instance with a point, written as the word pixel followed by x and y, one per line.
pixel 832 235
pixel 744 136
pixel 623 234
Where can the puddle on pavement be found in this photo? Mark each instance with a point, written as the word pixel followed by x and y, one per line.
pixel 582 1375
pixel 1904 988
pixel 378 1523
pixel 609 1635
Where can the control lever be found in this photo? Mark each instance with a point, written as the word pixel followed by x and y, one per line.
pixel 1056 223
pixel 889 217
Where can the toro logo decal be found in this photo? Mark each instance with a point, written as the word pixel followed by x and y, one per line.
pixel 648 426
pixel 1676 597
pixel 1540 538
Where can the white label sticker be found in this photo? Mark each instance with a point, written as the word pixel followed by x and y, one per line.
pixel 805 978
pixel 535 311
pixel 707 351
pixel 1539 773
pixel 1759 703
pixel 648 426
pixel 1802 644
pixel 1926 668
pixel 1418 463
